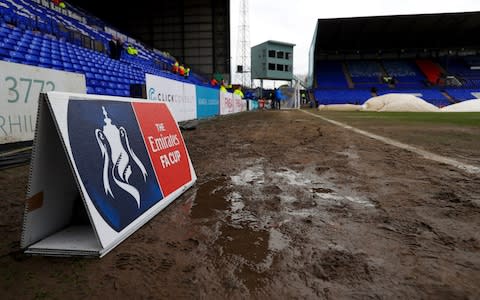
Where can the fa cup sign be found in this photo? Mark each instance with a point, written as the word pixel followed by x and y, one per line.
pixel 125 160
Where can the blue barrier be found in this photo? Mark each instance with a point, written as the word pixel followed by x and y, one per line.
pixel 252 104
pixel 208 102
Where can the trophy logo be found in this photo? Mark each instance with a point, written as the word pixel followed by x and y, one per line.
pixel 119 160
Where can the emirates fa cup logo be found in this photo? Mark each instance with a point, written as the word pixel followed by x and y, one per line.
pixel 119 160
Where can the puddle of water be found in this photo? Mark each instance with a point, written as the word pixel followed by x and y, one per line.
pixel 250 244
pixel 360 200
pixel 254 275
pixel 340 198
pixel 277 240
pixel 289 181
pixel 211 196
pixel 322 190
pixel 291 177
pixel 236 214
pixel 253 175
pixel 329 196
pixel 285 198
pixel 236 203
pixel 293 185
pixel 252 278
pixel 350 153
pixel 243 218
pixel 304 213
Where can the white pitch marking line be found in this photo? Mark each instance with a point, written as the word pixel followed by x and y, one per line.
pixel 428 155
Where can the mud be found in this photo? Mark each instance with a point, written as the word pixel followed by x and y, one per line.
pixel 286 206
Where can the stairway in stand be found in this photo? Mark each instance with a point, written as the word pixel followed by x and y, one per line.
pixel 351 85
pixel 449 98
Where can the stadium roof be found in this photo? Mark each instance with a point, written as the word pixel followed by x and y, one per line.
pixel 428 31
pixel 195 32
pixel 276 42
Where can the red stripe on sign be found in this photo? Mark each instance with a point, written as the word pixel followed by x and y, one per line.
pixel 165 145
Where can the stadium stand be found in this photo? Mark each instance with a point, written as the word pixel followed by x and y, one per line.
pixel 464 68
pixel 460 66
pixel 330 75
pixel 431 70
pixel 364 71
pixel 332 87
pixel 44 36
pixel 460 95
pixel 342 96
pixel 378 55
pixel 405 73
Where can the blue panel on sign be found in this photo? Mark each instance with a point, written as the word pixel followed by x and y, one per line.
pixel 110 155
pixel 208 102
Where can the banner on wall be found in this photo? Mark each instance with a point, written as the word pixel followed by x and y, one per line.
pixel 123 162
pixel 208 102
pixel 227 105
pixel 179 96
pixel 252 104
pixel 20 86
pixel 239 104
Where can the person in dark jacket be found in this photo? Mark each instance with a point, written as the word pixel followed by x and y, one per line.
pixel 112 46
pixel 116 46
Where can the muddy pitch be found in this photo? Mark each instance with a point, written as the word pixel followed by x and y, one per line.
pixel 286 206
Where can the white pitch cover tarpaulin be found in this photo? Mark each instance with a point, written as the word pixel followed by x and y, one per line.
pixel 398 103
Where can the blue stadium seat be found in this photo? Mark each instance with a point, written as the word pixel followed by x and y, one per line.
pixel 99 90
pixel 4 52
pixel 463 94
pixel 44 61
pixel 20 44
pixel 33 59
pixel 45 54
pixel 330 75
pixel 7 44
pixel 341 96
pixel 17 56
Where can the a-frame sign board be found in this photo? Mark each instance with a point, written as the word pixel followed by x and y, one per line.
pixel 101 168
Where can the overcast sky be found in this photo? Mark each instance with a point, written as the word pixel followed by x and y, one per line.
pixel 294 21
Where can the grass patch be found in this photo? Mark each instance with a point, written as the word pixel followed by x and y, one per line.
pixel 453 135
pixel 470 119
